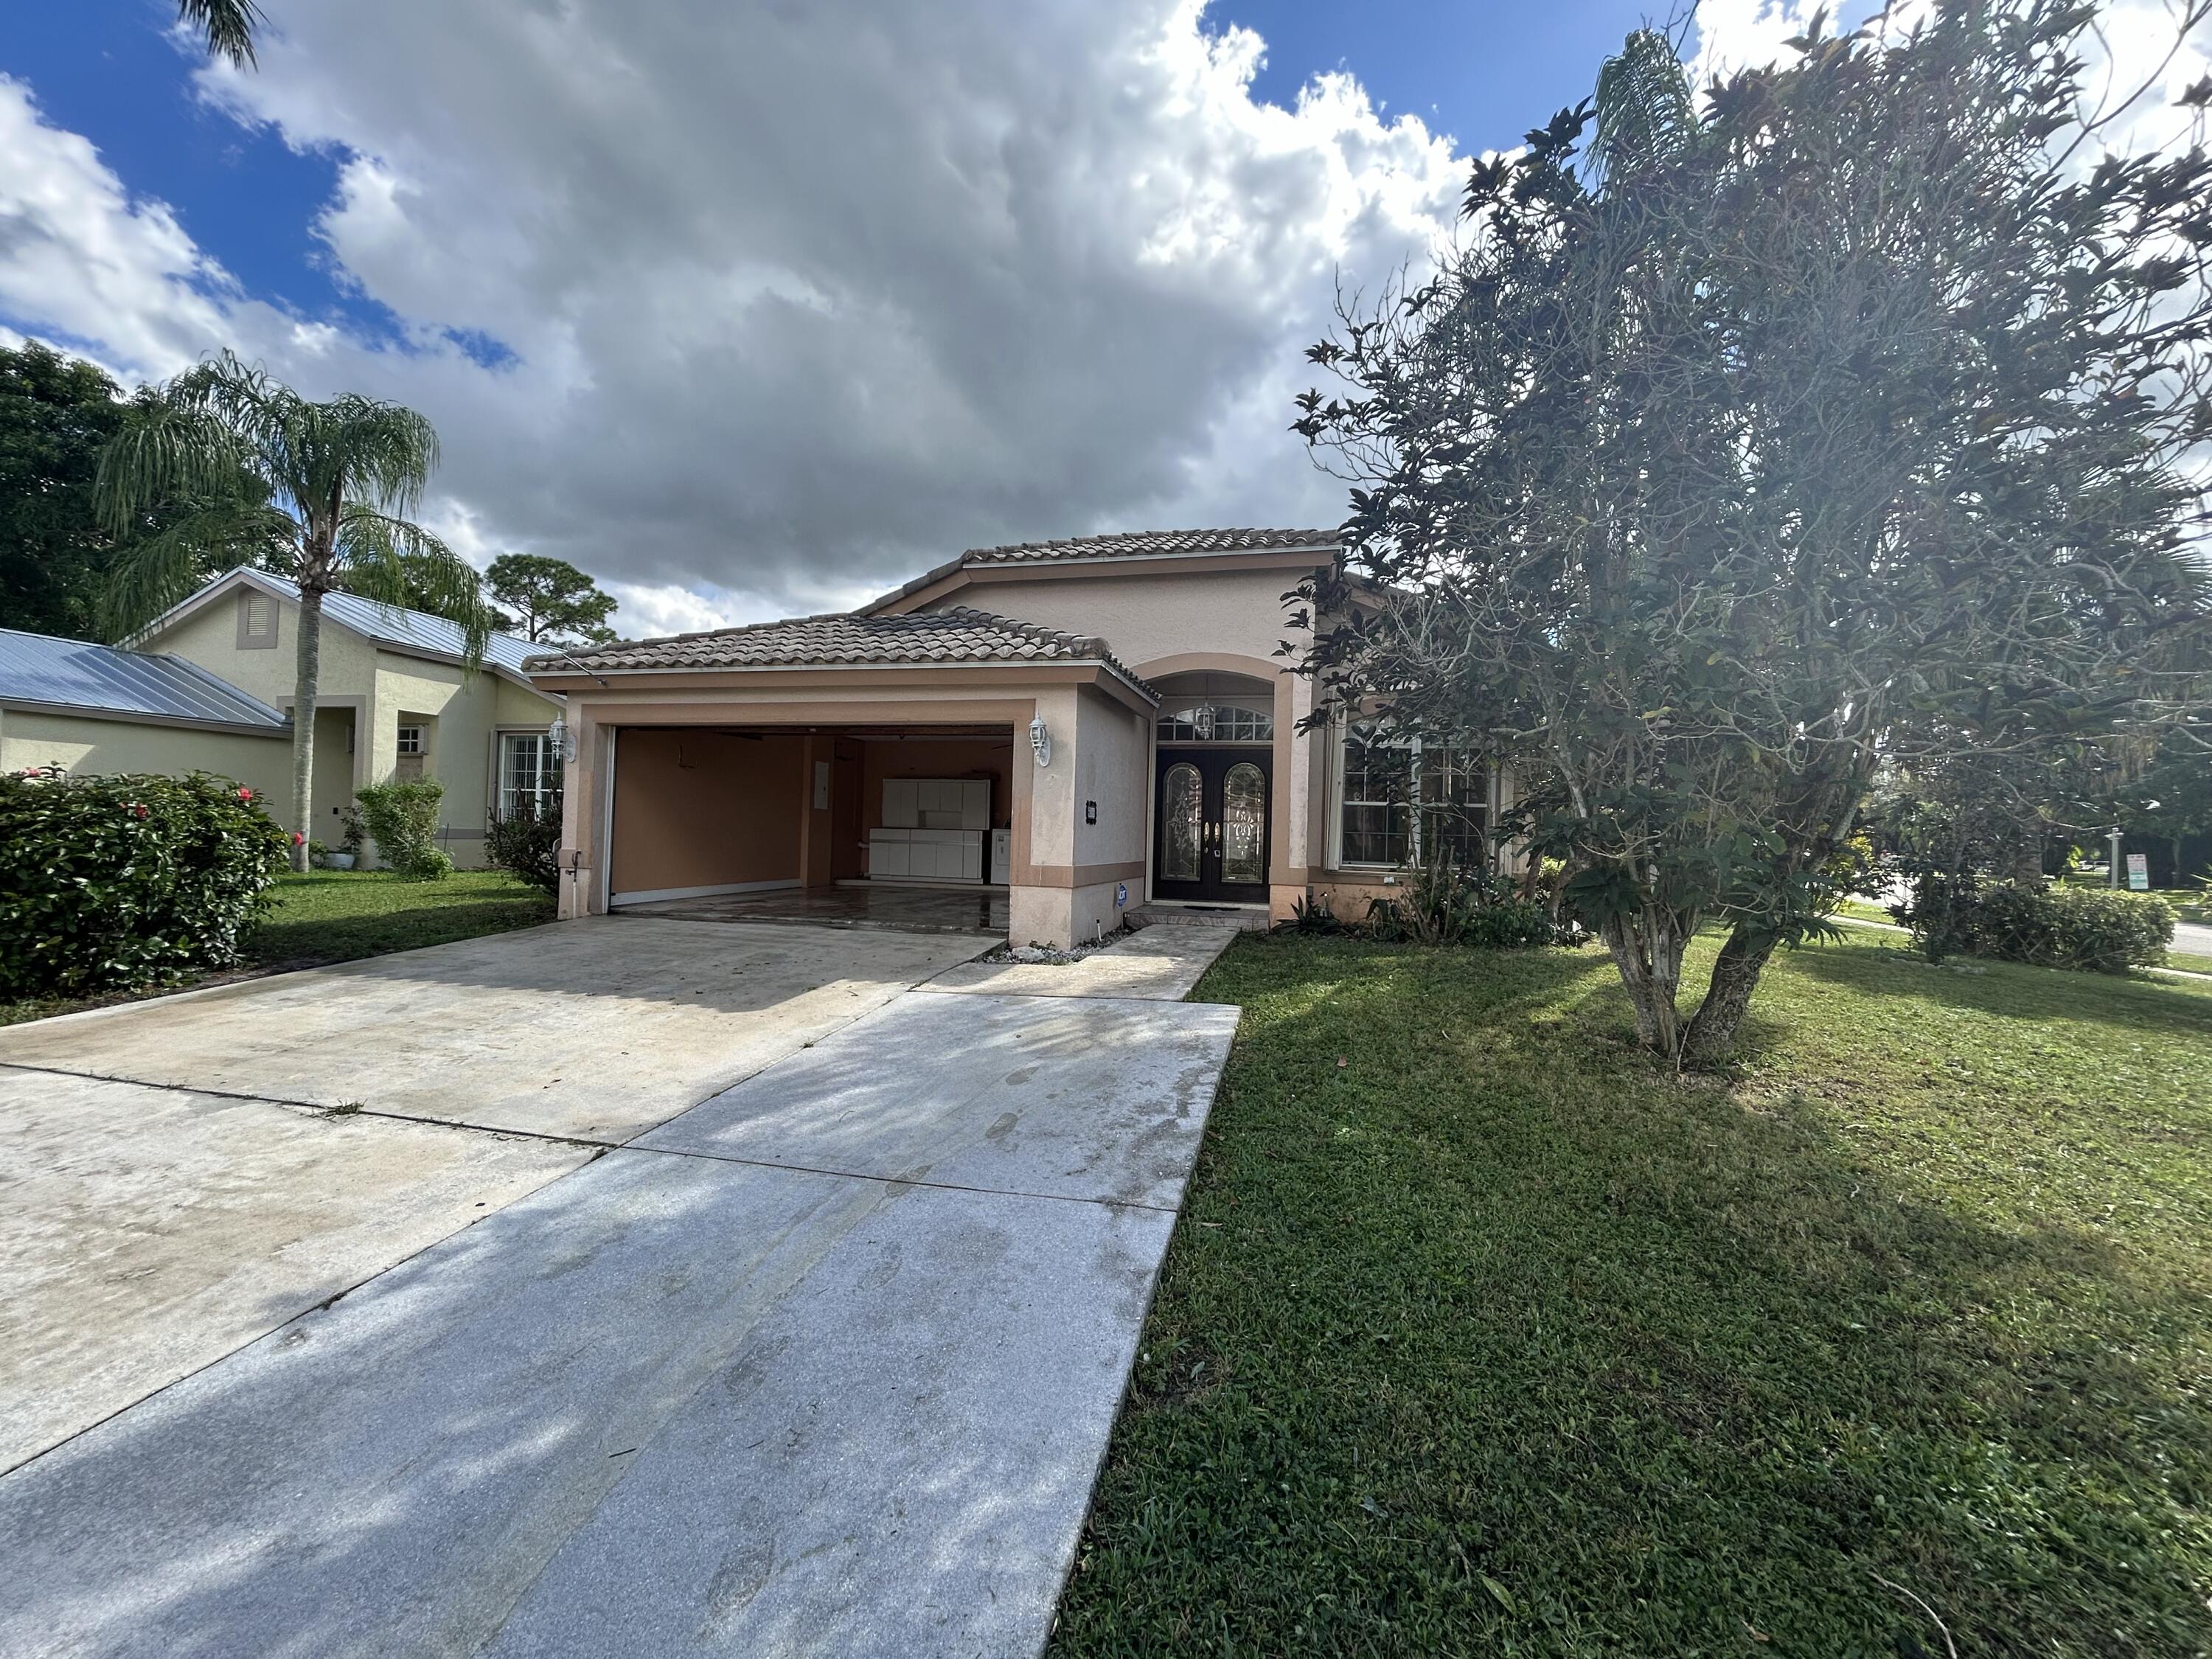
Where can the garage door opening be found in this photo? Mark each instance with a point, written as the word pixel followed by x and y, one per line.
pixel 907 827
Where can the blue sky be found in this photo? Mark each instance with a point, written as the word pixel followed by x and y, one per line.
pixel 750 309
pixel 107 69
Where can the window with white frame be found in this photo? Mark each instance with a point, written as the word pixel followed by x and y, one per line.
pixel 529 775
pixel 1406 800
pixel 1217 723
pixel 410 740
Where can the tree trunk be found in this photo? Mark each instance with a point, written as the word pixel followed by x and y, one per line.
pixel 1712 1029
pixel 306 677
pixel 2027 852
pixel 1647 947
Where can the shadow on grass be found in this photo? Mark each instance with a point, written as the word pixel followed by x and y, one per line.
pixel 303 944
pixel 2163 1008
pixel 1506 1341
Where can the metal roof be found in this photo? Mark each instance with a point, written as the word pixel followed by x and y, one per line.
pixel 37 668
pixel 409 630
pixel 956 636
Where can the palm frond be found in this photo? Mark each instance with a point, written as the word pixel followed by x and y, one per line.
pixel 164 451
pixel 228 25
pixel 148 576
pixel 392 561
pixel 1646 111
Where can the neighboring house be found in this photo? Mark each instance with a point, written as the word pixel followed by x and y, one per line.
pixel 393 700
pixel 94 708
pixel 1095 724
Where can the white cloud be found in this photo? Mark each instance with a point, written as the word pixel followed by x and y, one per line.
pixel 803 299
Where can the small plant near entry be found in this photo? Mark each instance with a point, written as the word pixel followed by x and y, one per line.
pixel 2086 928
pixel 352 834
pixel 1314 916
pixel 527 841
pixel 403 820
pixel 1448 904
pixel 124 881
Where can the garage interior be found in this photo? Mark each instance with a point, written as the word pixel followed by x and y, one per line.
pixel 907 827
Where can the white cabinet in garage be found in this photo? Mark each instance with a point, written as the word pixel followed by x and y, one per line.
pixel 926 855
pixel 932 829
pixel 937 802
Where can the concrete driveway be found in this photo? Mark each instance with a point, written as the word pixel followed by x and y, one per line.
pixel 626 1287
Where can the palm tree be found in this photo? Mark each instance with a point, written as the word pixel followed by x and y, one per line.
pixel 229 25
pixel 334 482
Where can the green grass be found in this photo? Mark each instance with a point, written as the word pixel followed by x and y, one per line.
pixel 1480 1335
pixel 336 915
pixel 2194 964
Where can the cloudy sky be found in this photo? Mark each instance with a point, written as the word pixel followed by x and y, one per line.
pixel 760 307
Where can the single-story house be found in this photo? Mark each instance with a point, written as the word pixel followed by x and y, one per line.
pixel 1089 726
pixel 394 701
pixel 95 708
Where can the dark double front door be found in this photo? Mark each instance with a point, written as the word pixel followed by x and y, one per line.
pixel 1210 817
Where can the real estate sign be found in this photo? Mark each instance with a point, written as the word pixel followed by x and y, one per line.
pixel 2138 872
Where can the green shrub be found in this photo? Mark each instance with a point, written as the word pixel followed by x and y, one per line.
pixel 2096 930
pixel 124 882
pixel 402 819
pixel 1447 905
pixel 527 842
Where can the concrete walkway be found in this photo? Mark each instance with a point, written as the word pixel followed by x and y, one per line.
pixel 825 1364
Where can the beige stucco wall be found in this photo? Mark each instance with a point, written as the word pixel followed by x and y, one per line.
pixel 1222 622
pixel 1146 617
pixel 380 688
pixel 1100 752
pixel 705 809
pixel 85 743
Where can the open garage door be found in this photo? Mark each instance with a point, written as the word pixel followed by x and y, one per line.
pixel 857 825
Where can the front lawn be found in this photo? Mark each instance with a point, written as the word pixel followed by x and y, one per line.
pixel 334 915
pixel 1481 1335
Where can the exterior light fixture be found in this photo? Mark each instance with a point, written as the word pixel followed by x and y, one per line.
pixel 563 741
pixel 1204 716
pixel 1041 741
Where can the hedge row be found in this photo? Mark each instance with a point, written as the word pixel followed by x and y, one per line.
pixel 122 882
pixel 2104 932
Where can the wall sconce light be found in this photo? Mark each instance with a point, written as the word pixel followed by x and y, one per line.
pixel 563 740
pixel 1041 741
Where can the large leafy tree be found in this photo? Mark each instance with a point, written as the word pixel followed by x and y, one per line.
pixel 56 413
pixel 339 479
pixel 549 600
pixel 1847 416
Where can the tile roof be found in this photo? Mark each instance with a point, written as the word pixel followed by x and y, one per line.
pixel 100 679
pixel 411 630
pixel 1151 544
pixel 952 637
pixel 1127 544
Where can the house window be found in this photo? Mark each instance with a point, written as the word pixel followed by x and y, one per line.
pixel 529 775
pixel 1217 723
pixel 412 749
pixel 1410 800
pixel 257 622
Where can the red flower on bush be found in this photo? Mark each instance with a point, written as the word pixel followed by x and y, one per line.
pixel 297 838
pixel 138 809
pixel 245 794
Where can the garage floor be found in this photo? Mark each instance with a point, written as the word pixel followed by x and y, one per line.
pixel 854 904
pixel 824 1364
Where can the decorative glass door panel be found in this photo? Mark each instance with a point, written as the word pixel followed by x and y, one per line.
pixel 1211 812
pixel 1182 824
pixel 1245 825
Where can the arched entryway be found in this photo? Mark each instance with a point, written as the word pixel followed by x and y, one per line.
pixel 1214 791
